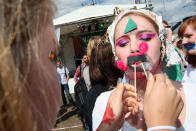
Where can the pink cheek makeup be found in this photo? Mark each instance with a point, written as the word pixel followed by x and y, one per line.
pixel 122 41
pixel 143 47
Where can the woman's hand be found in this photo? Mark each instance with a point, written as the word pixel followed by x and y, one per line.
pixel 122 100
pixel 130 103
pixel 162 103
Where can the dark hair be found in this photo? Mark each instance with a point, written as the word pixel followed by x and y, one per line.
pixel 102 66
pixel 84 54
pixel 165 22
pixel 191 59
pixel 179 44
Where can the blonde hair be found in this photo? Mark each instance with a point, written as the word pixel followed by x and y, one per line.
pixel 92 42
pixel 20 22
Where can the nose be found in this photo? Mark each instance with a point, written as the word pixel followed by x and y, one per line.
pixel 134 49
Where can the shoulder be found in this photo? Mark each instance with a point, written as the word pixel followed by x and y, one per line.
pixel 99 108
pixel 58 69
pixel 86 69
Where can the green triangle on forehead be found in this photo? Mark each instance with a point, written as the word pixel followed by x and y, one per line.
pixel 131 25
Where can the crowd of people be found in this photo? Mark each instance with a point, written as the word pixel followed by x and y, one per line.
pixel 136 78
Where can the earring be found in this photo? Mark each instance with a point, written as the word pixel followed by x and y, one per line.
pixel 163 50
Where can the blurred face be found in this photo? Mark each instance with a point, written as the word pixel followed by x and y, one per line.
pixel 43 83
pixel 85 59
pixel 189 36
pixel 58 64
pixel 128 44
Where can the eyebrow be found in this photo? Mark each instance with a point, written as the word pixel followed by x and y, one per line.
pixel 142 31
pixel 138 32
pixel 188 34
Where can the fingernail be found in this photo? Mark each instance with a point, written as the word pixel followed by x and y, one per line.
pixel 119 80
pixel 125 80
pixel 148 74
pixel 133 103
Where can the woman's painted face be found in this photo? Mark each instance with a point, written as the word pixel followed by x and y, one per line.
pixel 189 40
pixel 127 44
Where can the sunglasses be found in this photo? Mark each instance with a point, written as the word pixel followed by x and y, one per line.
pixel 189 46
pixel 167 26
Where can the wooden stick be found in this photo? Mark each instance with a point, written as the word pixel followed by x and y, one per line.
pixel 144 69
pixel 135 79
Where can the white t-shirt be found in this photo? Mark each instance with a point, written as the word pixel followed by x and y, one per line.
pixel 62 75
pixel 86 77
pixel 190 75
pixel 190 119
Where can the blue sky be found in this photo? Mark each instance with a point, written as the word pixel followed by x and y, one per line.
pixel 174 10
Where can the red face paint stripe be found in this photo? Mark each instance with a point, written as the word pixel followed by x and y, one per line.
pixel 109 116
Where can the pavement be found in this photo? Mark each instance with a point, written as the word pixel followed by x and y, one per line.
pixel 67 117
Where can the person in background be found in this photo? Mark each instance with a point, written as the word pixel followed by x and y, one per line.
pixel 29 87
pixel 103 73
pixel 91 44
pixel 176 71
pixel 63 73
pixel 168 31
pixel 80 89
pixel 80 68
pixel 178 45
pixel 187 32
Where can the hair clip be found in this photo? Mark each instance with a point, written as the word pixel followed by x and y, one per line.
pixel 167 26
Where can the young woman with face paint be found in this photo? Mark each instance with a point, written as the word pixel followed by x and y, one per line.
pixel 134 35
pixel 187 32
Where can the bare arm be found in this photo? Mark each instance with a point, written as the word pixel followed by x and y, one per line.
pixel 67 78
pixel 77 74
pixel 117 107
